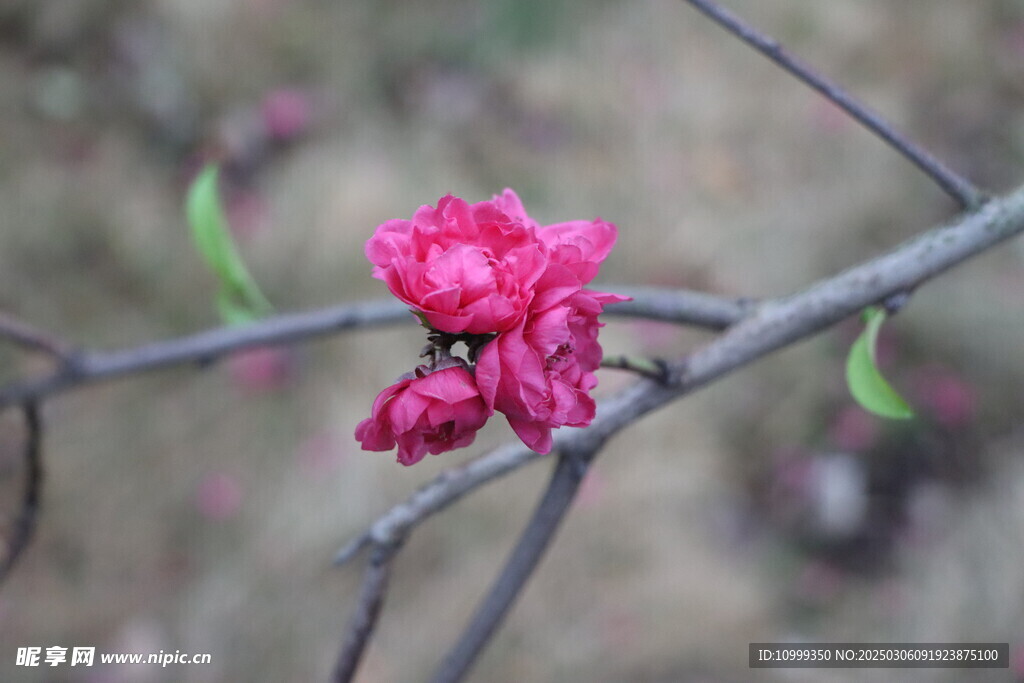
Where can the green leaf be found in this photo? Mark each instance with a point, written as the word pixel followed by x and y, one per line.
pixel 866 383
pixel 643 364
pixel 422 317
pixel 232 312
pixel 239 299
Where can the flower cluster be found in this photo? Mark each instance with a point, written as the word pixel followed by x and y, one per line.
pixel 513 291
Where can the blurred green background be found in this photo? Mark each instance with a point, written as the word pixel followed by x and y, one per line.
pixel 198 510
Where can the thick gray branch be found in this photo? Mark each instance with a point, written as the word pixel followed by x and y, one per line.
pixel 781 322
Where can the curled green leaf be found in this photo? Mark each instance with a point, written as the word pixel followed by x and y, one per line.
pixel 239 299
pixel 867 386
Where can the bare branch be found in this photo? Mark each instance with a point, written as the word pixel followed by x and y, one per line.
pixel 677 306
pixel 364 618
pixel 25 524
pixel 565 482
pixel 443 490
pixel 204 347
pixel 27 336
pixel 655 369
pixel 785 321
pixel 957 187
pixel 613 414
pixel 774 324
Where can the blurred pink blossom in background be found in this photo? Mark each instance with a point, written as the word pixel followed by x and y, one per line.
pixel 219 496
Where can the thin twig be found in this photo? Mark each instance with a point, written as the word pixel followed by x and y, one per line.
pixel 27 336
pixel 442 491
pixel 364 618
pixel 956 186
pixel 25 524
pixel 681 307
pixel 655 369
pixel 535 540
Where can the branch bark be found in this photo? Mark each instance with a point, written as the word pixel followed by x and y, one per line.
pixel 25 523
pixel 364 618
pixel 526 556
pixel 679 306
pixel 956 186
pixel 28 337
pixel 86 367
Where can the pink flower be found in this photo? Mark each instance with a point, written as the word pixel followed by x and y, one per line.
pixel 466 268
pixel 481 270
pixel 428 412
pixel 540 374
pixel 474 268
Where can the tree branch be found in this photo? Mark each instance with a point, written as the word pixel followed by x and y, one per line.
pixel 525 557
pixel 364 618
pixel 957 187
pixel 440 492
pixel 655 368
pixel 679 306
pixel 27 336
pixel 676 306
pixel 25 524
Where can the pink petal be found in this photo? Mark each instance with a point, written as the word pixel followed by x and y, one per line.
pixel 508 203
pixel 448 386
pixel 537 437
pixel 444 301
pixel 555 286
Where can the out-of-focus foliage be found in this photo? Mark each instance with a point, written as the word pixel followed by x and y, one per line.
pixel 239 299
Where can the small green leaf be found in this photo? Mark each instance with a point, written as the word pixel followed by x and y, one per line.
pixel 239 299
pixel 866 383
pixel 642 364
pixel 232 312
pixel 422 317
